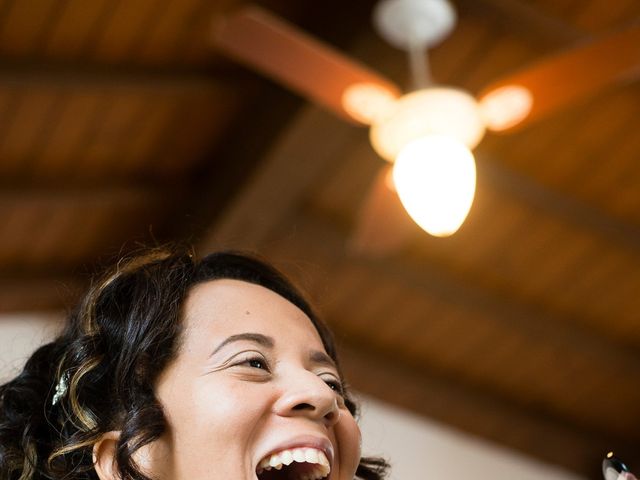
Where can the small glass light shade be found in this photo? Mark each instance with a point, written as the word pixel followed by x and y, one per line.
pixel 435 178
pixel 439 111
pixel 506 106
pixel 367 102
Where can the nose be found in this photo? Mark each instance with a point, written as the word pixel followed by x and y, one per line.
pixel 308 396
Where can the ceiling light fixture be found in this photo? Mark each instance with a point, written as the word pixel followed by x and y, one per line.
pixel 429 132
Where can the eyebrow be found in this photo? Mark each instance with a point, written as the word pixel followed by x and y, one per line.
pixel 322 358
pixel 248 337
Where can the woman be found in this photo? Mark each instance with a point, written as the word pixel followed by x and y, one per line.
pixel 172 368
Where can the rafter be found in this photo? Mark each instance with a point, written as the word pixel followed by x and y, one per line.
pixel 37 291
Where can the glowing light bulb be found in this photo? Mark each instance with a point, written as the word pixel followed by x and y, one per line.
pixel 435 177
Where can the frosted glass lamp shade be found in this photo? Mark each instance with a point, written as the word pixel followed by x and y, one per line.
pixel 435 178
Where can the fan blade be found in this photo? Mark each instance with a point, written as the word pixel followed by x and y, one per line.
pixel 383 226
pixel 278 50
pixel 563 79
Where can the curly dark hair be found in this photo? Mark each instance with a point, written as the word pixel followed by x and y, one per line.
pixel 115 344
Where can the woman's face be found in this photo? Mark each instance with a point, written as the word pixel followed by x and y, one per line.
pixel 251 386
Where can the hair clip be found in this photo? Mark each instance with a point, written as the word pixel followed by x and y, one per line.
pixel 61 388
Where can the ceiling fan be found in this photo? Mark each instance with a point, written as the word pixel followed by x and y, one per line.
pixel 430 116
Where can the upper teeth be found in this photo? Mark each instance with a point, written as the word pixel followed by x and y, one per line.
pixel 300 455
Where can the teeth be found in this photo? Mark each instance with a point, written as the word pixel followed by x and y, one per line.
pixel 309 455
pixel 287 457
pixel 299 455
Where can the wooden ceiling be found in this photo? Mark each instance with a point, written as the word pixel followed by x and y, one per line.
pixel 121 124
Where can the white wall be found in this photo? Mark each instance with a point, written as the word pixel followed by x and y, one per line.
pixel 19 336
pixel 418 448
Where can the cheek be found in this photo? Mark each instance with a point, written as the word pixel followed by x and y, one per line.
pixel 228 409
pixel 349 440
pixel 213 423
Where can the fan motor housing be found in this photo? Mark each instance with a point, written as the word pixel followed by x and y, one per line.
pixel 410 24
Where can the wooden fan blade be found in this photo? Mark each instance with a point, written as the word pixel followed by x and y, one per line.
pixel 567 77
pixel 278 50
pixel 383 226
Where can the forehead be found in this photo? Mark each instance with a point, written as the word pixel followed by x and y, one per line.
pixel 227 307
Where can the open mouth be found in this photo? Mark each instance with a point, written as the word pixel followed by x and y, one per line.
pixel 294 464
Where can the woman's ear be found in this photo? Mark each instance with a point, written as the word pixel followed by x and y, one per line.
pixel 104 456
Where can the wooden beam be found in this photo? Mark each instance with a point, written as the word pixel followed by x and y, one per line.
pixel 47 194
pixel 296 161
pixel 25 74
pixel 21 292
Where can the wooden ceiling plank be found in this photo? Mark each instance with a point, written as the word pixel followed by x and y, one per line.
pixel 120 37
pixel 19 224
pixel 159 44
pixel 524 149
pixel 339 297
pixel 112 131
pixel 23 24
pixel 621 302
pixel 602 125
pixel 54 225
pixel 9 103
pixel 404 319
pixel 482 233
pixel 69 131
pixel 539 24
pixel 554 272
pixel 453 354
pixel 369 315
pixel 72 31
pixel 594 17
pixel 498 58
pixel 29 123
pixel 90 234
pixel 465 43
pixel 146 131
pixel 100 219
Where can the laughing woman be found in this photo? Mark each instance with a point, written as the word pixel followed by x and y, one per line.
pixel 172 368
